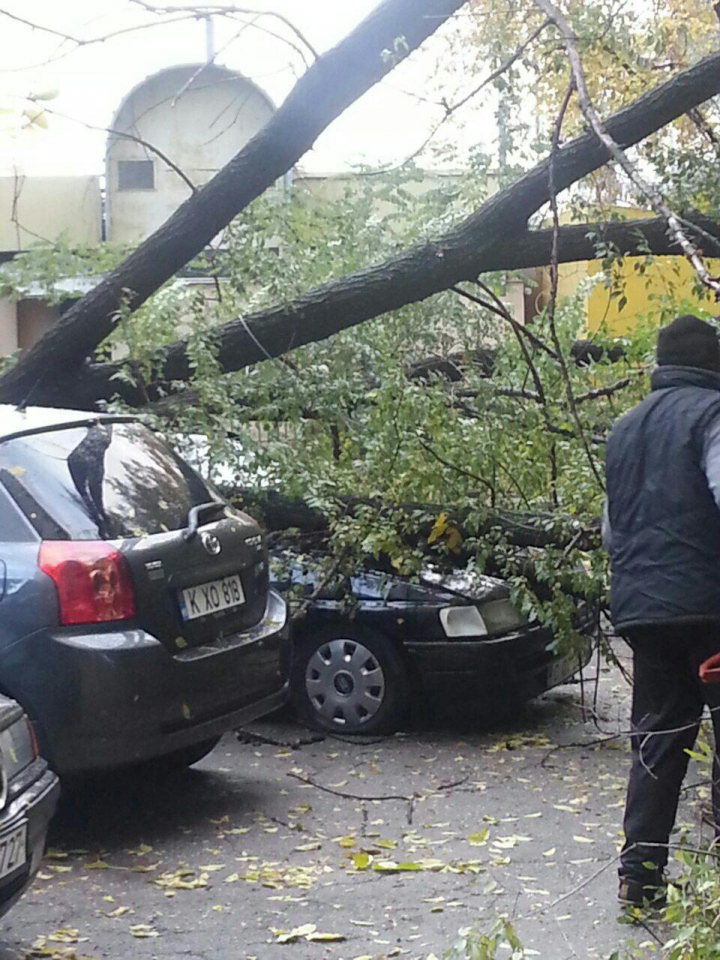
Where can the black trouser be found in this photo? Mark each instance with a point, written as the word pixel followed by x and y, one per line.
pixel 668 702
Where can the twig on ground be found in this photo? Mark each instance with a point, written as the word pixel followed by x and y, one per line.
pixel 580 744
pixel 380 798
pixel 453 784
pixel 259 739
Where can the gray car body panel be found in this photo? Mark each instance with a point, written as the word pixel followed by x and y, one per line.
pixel 32 797
pixel 108 695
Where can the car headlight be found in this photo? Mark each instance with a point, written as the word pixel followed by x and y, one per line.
pixel 501 616
pixel 17 746
pixel 462 622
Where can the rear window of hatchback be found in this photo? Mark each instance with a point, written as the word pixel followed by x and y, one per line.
pixel 105 480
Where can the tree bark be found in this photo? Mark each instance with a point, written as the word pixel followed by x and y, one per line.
pixel 329 302
pixel 580 242
pixel 325 91
pixel 461 254
pixel 279 512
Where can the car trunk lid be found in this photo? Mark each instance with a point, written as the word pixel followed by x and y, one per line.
pixel 191 590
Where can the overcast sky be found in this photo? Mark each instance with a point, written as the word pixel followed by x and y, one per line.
pixel 387 125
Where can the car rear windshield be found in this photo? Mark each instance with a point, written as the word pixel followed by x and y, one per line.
pixel 102 481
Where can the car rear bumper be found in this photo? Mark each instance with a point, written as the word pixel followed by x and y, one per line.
pixel 113 696
pixel 482 672
pixel 33 798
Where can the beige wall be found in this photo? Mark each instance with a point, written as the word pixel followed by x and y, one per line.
pixel 34 318
pixel 23 323
pixel 8 327
pixel 33 209
pixel 198 120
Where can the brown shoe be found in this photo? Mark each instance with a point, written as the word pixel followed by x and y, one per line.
pixel 646 894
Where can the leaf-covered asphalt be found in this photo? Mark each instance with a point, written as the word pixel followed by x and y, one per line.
pixel 236 859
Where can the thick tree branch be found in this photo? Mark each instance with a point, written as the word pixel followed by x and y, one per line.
pixel 333 82
pixel 460 254
pixel 279 512
pixel 325 308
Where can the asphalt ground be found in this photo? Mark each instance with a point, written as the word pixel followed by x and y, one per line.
pixel 265 849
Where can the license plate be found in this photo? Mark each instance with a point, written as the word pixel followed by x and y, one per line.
pixel 211 597
pixel 13 850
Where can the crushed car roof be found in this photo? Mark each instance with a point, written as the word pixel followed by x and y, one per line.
pixel 16 422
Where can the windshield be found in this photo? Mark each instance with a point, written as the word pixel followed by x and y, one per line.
pixel 103 481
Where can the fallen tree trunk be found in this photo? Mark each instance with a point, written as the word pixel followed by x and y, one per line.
pixel 580 241
pixel 280 513
pixel 330 85
pixel 457 256
pixel 329 303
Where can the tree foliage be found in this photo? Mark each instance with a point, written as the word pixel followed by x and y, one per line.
pixel 352 416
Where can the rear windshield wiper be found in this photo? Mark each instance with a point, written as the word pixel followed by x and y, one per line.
pixel 201 513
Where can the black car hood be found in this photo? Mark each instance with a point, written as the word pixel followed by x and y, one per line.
pixel 467 584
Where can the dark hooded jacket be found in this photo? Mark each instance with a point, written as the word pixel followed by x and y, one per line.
pixel 663 516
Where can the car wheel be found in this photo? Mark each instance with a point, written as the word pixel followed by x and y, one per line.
pixel 347 679
pixel 184 757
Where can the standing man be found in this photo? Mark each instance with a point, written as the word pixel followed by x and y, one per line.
pixel 662 529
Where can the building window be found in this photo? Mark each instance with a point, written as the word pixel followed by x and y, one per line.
pixel 136 175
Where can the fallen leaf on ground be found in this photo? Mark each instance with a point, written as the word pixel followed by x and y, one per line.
pixel 298 933
pixel 143 931
pixel 389 866
pixel 386 844
pixel 479 839
pixel 181 880
pixel 308 932
pixel 119 912
pixel 140 851
pixel 65 935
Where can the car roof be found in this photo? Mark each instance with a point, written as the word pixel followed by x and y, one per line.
pixel 17 422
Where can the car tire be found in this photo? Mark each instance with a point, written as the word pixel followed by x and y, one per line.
pixel 185 757
pixel 347 679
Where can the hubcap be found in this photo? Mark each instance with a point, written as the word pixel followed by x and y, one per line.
pixel 345 683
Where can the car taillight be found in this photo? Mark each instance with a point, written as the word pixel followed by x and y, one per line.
pixel 33 738
pixel 92 579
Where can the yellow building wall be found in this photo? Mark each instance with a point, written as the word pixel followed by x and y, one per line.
pixel 645 287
